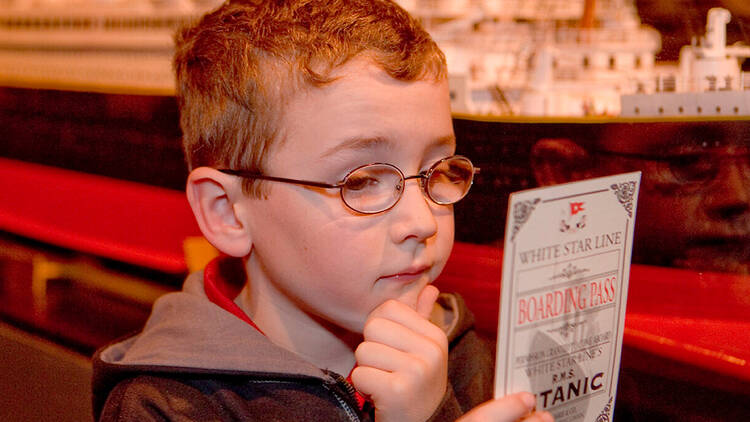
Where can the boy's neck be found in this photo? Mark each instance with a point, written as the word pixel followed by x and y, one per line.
pixel 320 342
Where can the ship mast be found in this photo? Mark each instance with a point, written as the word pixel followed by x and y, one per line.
pixel 587 22
pixel 589 14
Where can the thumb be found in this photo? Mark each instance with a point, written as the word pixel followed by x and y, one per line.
pixel 426 300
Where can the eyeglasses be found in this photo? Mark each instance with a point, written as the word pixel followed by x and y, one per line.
pixel 377 187
pixel 695 166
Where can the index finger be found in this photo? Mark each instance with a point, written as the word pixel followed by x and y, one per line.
pixel 426 300
pixel 406 316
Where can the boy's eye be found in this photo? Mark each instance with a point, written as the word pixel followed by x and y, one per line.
pixel 451 172
pixel 456 173
pixel 357 182
pixel 373 177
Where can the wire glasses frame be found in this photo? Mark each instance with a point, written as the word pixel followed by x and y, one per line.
pixel 377 187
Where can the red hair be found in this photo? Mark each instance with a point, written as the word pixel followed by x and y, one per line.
pixel 238 65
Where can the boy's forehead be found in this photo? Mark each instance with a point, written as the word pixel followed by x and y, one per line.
pixel 361 86
pixel 365 143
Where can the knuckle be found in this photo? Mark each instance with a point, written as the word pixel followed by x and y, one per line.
pixel 390 305
pixel 361 350
pixel 420 369
pixel 537 417
pixel 401 387
pixel 371 326
pixel 435 353
pixel 437 335
pixel 518 403
pixel 442 343
pixel 356 372
pixel 359 378
pixel 423 369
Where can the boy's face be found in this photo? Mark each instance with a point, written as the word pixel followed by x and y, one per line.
pixel 315 254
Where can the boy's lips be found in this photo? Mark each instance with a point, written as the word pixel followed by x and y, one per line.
pixel 409 274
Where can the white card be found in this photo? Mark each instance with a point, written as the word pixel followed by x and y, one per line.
pixel 566 264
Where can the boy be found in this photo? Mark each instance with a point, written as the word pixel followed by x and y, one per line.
pixel 304 124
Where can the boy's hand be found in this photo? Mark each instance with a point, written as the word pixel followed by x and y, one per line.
pixel 403 360
pixel 511 408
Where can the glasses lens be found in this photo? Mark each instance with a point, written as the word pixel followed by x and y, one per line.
pixel 450 180
pixel 372 188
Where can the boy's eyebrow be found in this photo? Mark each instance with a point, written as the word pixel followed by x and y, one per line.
pixel 365 143
pixel 444 141
pixel 359 143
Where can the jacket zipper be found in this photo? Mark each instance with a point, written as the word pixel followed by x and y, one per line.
pixel 349 390
pixel 350 411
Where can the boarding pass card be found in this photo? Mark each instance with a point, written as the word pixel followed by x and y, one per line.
pixel 564 288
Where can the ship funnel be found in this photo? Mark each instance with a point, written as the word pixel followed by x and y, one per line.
pixel 716 31
pixel 712 68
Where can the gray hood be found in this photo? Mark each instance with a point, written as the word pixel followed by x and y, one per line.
pixel 187 330
pixel 188 334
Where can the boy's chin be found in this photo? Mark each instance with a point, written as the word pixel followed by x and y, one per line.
pixel 356 323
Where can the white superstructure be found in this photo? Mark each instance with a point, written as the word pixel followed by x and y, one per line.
pixel 93 45
pixel 505 57
pixel 541 57
pixel 708 81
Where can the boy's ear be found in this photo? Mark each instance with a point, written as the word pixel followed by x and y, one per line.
pixel 212 196
pixel 560 160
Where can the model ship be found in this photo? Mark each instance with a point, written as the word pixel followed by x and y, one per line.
pixel 103 46
pixel 707 82
pixel 580 58
pixel 505 57
pixel 543 58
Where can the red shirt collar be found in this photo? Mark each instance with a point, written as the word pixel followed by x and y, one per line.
pixel 223 279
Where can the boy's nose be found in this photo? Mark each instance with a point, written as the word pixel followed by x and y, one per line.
pixel 728 197
pixel 413 215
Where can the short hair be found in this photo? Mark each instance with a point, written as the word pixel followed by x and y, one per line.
pixel 237 65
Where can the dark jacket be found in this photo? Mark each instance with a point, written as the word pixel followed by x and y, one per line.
pixel 194 361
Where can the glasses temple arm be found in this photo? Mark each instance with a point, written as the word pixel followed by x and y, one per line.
pixel 251 175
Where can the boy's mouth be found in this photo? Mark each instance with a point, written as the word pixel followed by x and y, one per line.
pixel 408 275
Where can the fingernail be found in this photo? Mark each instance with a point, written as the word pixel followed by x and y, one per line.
pixel 529 400
pixel 546 417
